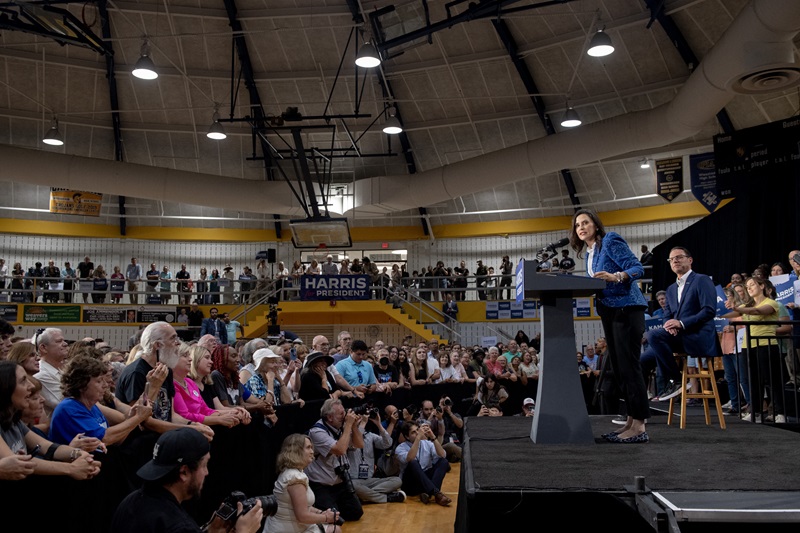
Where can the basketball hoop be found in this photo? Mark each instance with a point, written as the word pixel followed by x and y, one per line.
pixel 320 253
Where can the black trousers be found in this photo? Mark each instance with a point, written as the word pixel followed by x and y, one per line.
pixel 624 328
pixel 337 497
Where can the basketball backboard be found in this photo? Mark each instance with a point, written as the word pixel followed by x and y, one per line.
pixel 312 232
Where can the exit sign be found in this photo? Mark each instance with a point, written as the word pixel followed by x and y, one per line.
pixel 385 245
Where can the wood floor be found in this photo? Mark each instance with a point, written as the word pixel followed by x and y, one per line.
pixel 412 515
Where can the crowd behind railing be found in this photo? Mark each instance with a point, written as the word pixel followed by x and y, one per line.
pixel 137 284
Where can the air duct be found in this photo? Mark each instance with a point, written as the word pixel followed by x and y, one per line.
pixel 754 53
pixel 757 43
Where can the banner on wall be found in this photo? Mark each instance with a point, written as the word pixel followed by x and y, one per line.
pixel 487 342
pixel 51 314
pixel 72 202
pixel 581 307
pixel 117 315
pixel 669 177
pixel 335 287
pixel 148 314
pixel 703 179
pixel 527 310
pixel 8 313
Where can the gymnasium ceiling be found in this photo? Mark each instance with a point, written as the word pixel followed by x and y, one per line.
pixel 471 86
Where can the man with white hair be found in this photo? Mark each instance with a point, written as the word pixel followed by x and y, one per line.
pixel 320 343
pixel 329 267
pixel 159 355
pixel 52 349
pixel 344 340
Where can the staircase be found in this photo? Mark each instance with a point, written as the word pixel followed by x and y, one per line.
pixel 294 313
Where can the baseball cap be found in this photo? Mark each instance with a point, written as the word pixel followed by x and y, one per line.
pixel 528 401
pixel 263 353
pixel 173 449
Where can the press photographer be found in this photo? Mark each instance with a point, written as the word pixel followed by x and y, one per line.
pixel 174 475
pixel 329 476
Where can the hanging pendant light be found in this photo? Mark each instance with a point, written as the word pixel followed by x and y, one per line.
pixel 368 56
pixel 392 125
pixel 600 45
pixel 53 136
pixel 216 131
pixel 571 118
pixel 145 69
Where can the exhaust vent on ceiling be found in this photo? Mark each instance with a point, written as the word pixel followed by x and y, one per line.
pixel 768 81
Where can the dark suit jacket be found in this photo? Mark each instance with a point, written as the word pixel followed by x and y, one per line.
pixel 696 311
pixel 208 327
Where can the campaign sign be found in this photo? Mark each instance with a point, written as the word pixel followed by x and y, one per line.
pixel 335 287
pixel 721 299
pixel 581 307
pixel 784 287
pixel 520 281
pixel 529 309
pixel 492 312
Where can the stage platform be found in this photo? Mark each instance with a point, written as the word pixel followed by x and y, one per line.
pixel 701 477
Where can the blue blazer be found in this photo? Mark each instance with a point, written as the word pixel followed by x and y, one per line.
pixel 696 311
pixel 614 255
pixel 207 327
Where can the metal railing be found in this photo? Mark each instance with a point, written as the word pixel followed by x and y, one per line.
pixel 773 370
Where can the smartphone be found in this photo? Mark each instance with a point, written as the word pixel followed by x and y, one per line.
pixel 146 396
pixel 35 451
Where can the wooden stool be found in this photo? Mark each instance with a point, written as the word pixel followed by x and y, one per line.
pixel 708 390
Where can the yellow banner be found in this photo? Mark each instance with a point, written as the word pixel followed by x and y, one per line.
pixel 69 202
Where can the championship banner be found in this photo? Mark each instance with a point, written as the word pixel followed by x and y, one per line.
pixel 669 177
pixel 70 202
pixel 112 314
pixel 703 179
pixel 335 287
pixel 61 313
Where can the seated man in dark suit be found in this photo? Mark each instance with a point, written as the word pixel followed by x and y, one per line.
pixel 688 322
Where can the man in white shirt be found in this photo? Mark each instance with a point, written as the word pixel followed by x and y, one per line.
pixel 52 349
pixel 329 267
pixel 133 274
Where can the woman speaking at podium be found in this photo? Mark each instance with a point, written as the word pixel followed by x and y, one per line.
pixel 621 307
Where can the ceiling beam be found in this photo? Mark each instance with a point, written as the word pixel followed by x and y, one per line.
pixel 504 33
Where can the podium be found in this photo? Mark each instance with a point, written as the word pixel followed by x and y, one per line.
pixel 560 416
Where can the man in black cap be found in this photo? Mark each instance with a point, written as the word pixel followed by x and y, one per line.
pixel 174 475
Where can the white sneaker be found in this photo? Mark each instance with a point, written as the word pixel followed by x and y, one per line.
pixel 727 405
pixel 749 417
pixel 780 419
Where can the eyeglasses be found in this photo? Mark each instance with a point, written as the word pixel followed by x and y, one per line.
pixel 677 258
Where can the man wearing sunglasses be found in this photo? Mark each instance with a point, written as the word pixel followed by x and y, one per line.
pixel 356 370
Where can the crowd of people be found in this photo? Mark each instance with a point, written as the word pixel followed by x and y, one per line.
pixel 340 425
pixel 93 283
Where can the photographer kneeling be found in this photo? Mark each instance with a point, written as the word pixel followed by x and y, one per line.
pixel 329 474
pixel 174 475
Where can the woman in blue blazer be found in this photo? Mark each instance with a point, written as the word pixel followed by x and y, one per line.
pixel 621 307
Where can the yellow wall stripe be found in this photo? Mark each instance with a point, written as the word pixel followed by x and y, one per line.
pixel 360 234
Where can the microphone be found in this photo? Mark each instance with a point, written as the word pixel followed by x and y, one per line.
pixel 553 245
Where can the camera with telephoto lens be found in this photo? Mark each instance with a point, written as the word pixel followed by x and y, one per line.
pixel 343 471
pixel 448 402
pixel 229 513
pixel 366 409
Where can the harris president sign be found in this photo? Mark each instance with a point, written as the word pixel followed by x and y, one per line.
pixel 335 287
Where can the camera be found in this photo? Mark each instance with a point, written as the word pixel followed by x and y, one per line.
pixel 412 409
pixel 343 471
pixel 448 402
pixel 366 409
pixel 439 409
pixel 228 512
